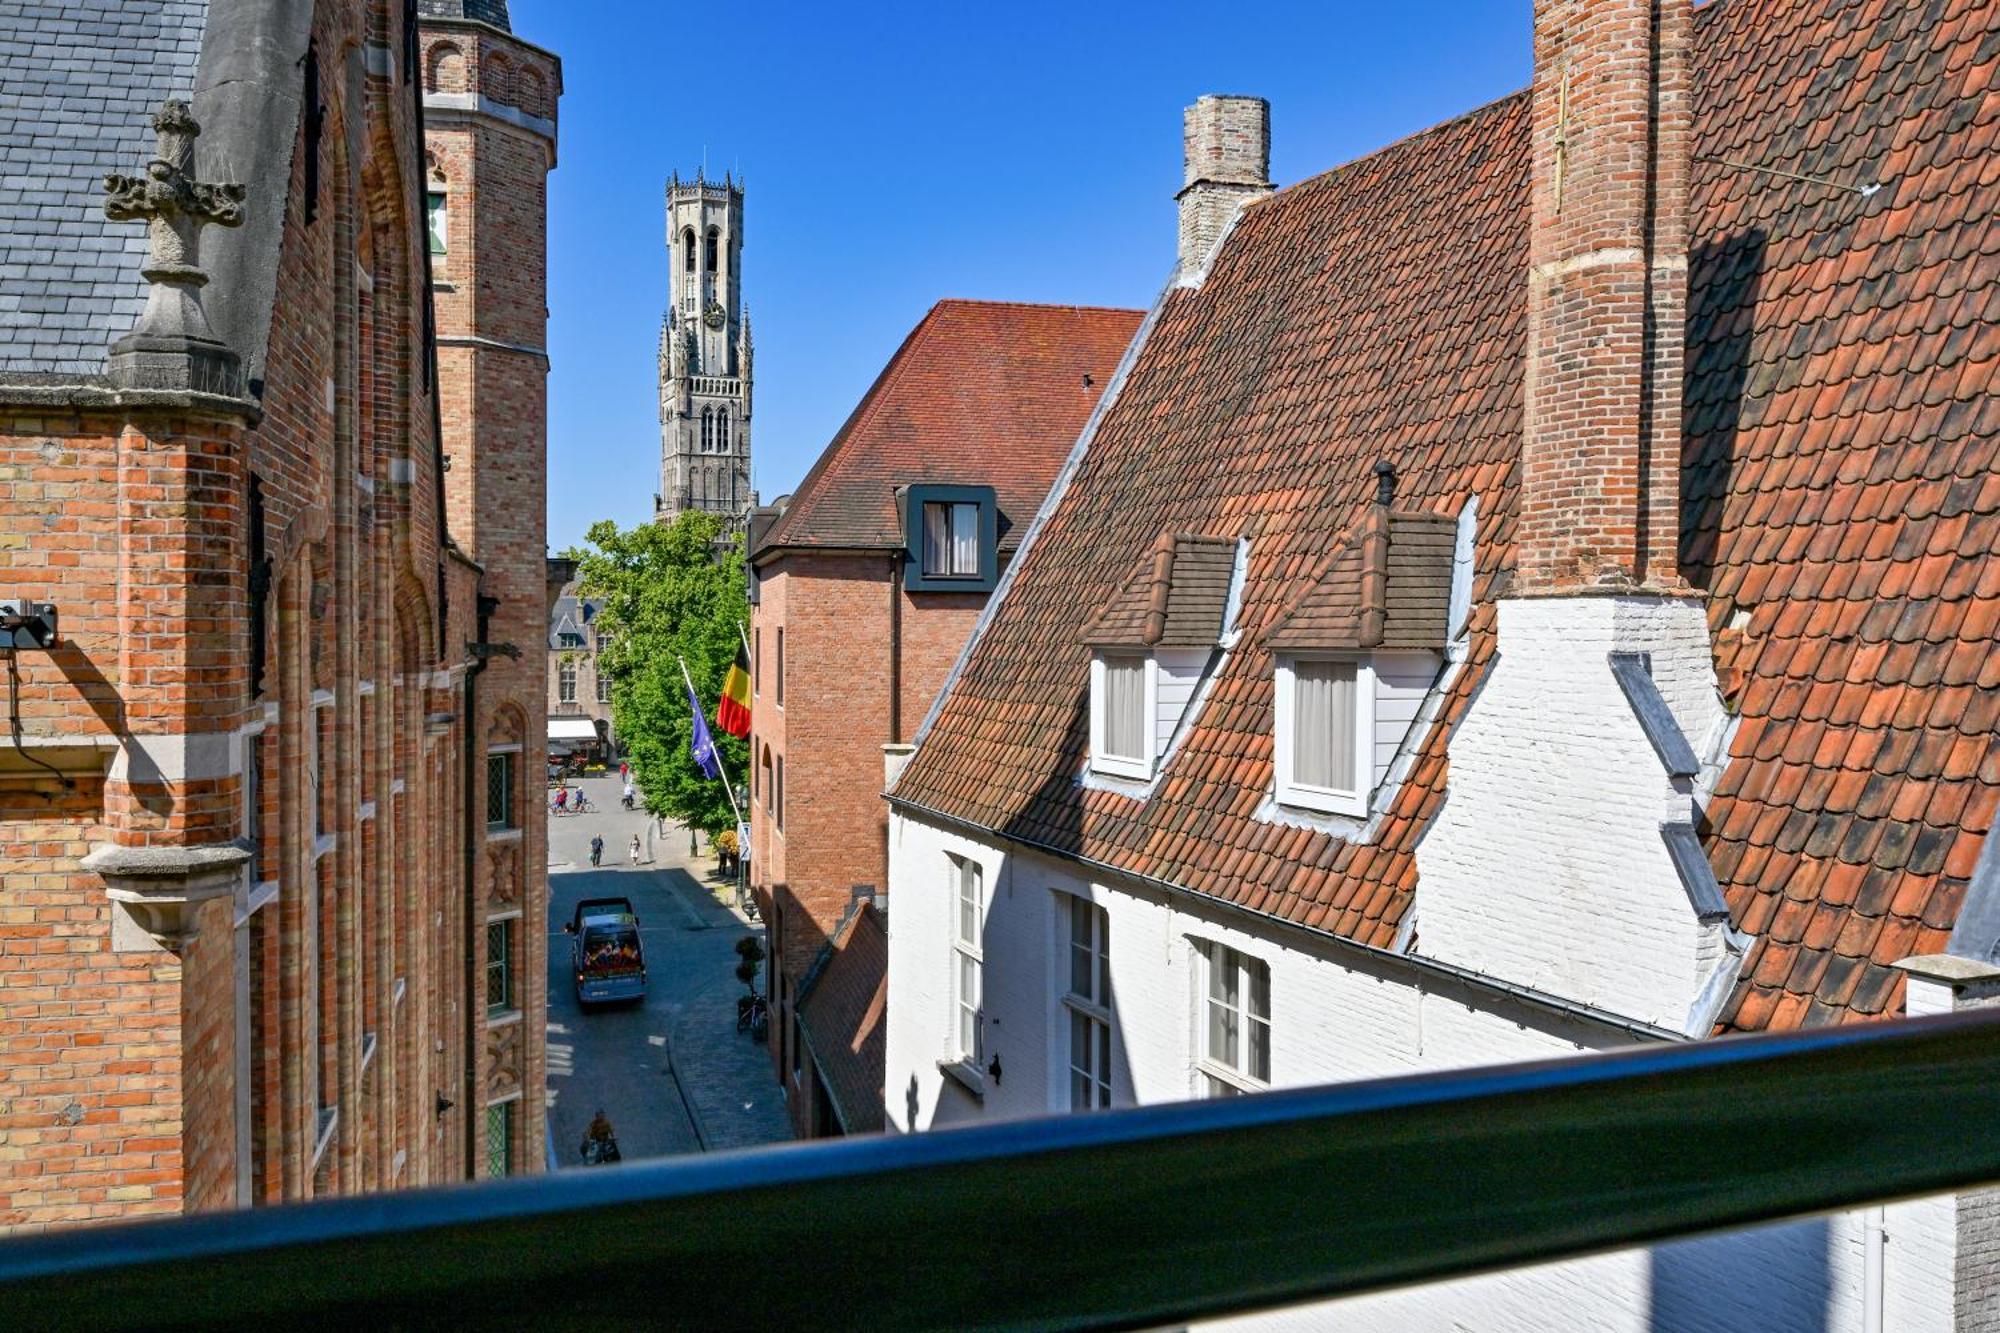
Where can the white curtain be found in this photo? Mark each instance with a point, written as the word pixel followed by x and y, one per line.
pixel 1125 707
pixel 1323 725
pixel 965 540
pixel 937 539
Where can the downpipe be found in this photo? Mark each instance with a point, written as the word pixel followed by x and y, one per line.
pixel 475 828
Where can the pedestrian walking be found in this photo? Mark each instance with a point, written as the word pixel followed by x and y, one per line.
pixel 625 772
pixel 562 800
pixel 635 849
pixel 596 851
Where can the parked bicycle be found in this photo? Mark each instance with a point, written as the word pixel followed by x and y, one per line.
pixel 752 1014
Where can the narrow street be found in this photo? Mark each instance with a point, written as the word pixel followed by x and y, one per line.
pixel 673 1074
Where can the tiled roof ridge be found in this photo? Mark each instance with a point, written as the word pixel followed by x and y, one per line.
pixel 806 493
pixel 994 303
pixel 806 496
pixel 1409 140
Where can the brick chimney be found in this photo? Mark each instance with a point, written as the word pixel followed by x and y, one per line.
pixel 1226 146
pixel 1607 297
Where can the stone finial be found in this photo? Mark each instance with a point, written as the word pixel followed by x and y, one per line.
pixel 173 346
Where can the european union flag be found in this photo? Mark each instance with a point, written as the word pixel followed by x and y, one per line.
pixel 705 757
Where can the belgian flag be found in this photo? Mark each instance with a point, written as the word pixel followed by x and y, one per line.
pixel 732 710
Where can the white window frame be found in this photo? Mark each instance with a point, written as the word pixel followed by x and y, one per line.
pixel 1209 1069
pixel 566 674
pixel 967 951
pixel 1327 800
pixel 1092 1010
pixel 1119 765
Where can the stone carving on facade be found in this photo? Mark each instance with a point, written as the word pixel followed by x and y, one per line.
pixel 173 346
pixel 504 888
pixel 503 1059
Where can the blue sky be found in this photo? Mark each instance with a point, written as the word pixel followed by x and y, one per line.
pixel 900 153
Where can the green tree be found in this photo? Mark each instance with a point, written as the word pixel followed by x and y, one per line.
pixel 665 597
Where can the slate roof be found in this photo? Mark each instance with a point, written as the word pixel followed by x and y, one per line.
pixel 843 1013
pixel 982 393
pixel 1175 597
pixel 483 11
pixel 1388 586
pixel 79 82
pixel 572 613
pixel 1841 496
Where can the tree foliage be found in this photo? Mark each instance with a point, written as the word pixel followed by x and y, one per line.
pixel 666 596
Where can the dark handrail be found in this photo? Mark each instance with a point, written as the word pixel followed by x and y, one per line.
pixel 1120 1219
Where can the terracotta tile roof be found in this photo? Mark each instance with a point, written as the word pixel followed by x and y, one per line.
pixel 1841 499
pixel 1175 598
pixel 982 393
pixel 1389 586
pixel 843 1015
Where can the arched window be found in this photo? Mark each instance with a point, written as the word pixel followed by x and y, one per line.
pixel 722 432
pixel 707 431
pixel 687 245
pixel 714 240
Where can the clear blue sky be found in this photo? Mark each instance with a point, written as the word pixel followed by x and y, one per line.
pixel 900 153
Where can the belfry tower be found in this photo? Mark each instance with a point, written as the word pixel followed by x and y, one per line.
pixel 705 356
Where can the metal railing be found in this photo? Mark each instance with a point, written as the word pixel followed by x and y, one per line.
pixel 1121 1219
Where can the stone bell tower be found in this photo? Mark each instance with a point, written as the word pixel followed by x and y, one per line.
pixel 705 355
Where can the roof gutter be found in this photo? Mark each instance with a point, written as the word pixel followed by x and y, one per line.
pixel 1415 962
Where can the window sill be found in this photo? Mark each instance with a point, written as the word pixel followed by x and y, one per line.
pixel 502 833
pixel 1135 770
pixel 1319 801
pixel 969 1079
pixel 1243 1083
pixel 500 1018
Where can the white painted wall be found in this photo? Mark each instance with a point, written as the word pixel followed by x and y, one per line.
pixel 1336 1016
pixel 1402 680
pixel 1545 866
pixel 1180 672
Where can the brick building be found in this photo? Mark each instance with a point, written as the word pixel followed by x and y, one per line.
pixel 245 792
pixel 866 587
pixel 1533 592
pixel 490 141
pixel 579 694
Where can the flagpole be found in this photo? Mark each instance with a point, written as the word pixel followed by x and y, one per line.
pixel 744 635
pixel 720 770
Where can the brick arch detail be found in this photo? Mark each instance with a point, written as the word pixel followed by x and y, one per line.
pixel 444 68
pixel 531 91
pixel 496 79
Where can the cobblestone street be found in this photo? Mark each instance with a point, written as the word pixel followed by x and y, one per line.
pixel 673 1074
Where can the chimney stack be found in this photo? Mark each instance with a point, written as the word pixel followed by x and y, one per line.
pixel 1607 297
pixel 1226 148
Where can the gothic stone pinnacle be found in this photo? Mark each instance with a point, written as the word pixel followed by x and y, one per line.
pixel 172 347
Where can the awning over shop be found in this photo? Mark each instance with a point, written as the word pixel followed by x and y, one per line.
pixel 572 729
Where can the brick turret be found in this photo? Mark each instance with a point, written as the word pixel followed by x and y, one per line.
pixel 1607 296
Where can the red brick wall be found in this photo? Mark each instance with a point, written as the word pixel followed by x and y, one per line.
pixel 1600 458
pixel 119 1090
pixel 492 326
pixel 839 628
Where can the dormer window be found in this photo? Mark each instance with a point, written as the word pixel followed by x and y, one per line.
pixel 1151 644
pixel 1325 735
pixel 1355 656
pixel 1124 688
pixel 951 537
